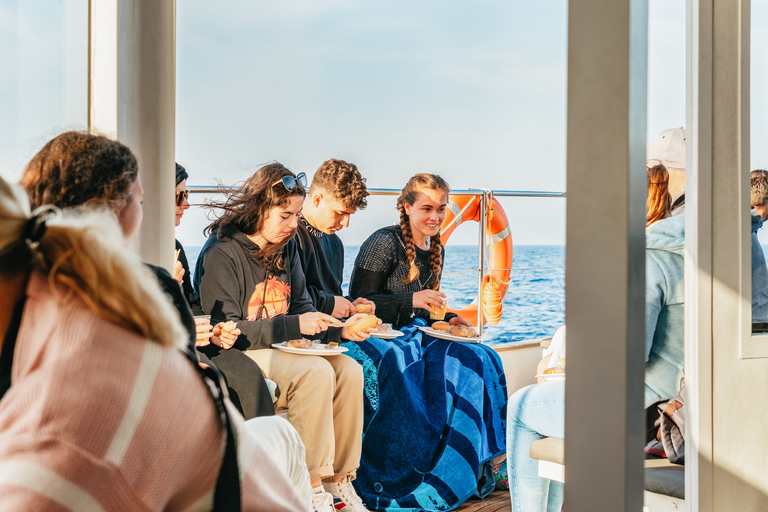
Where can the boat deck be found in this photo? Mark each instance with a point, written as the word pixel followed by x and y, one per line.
pixel 497 501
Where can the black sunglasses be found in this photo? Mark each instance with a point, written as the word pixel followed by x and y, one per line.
pixel 289 182
pixel 181 197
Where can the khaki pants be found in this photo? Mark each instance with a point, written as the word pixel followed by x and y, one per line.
pixel 324 397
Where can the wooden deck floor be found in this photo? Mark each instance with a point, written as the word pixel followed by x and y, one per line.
pixel 497 501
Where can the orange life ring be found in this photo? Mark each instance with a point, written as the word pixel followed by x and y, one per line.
pixel 463 208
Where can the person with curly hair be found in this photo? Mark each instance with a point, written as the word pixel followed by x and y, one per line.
pixel 445 402
pixel 337 191
pixel 249 273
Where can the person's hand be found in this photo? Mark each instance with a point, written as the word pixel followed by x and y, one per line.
pixel 315 322
pixel 359 335
pixel 178 272
pixel 362 300
pixel 425 298
pixel 457 320
pixel 202 331
pixel 223 339
pixel 342 308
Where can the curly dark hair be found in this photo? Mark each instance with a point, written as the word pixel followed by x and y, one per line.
pixel 343 181
pixel 248 206
pixel 81 169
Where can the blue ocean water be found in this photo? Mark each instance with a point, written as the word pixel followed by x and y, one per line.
pixel 534 306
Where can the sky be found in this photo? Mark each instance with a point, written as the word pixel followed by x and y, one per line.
pixel 473 91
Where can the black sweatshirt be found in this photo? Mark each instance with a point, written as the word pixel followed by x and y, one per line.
pixel 186 285
pixel 230 281
pixel 380 267
pixel 322 260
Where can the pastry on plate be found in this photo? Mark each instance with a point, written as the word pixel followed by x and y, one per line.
pixel 383 329
pixel 441 326
pixel 300 343
pixel 463 331
pixel 363 324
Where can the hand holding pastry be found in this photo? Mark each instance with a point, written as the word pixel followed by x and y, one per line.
pixel 359 327
pixel 364 306
pixel 224 335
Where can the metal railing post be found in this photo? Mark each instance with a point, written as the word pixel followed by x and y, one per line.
pixel 481 266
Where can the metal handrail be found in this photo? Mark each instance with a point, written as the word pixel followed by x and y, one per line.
pixel 486 199
pixel 206 189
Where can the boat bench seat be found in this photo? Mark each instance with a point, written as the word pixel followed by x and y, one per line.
pixel 664 481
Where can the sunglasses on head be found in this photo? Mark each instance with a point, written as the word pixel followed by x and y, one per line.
pixel 181 197
pixel 289 182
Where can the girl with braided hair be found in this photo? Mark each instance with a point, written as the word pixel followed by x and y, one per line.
pixel 399 267
pixel 444 402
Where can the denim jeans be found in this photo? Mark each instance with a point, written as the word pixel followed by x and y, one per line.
pixel 533 413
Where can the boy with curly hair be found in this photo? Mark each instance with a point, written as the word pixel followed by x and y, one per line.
pixel 338 190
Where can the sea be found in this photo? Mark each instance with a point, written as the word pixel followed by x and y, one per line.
pixel 534 306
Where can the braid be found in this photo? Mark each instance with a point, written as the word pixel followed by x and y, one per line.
pixel 410 249
pixel 436 260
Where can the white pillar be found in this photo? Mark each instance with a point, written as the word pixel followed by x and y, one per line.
pixel 132 96
pixel 605 255
pixel 102 67
pixel 146 115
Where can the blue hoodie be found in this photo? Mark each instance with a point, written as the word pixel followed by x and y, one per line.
pixel 664 299
pixel 759 274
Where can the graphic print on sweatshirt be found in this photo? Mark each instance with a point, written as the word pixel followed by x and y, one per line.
pixel 275 298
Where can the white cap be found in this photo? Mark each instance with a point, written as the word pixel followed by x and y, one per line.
pixel 668 147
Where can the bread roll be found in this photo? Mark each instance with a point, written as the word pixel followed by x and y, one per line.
pixel 302 343
pixel 363 324
pixel 363 308
pixel 441 326
pixel 464 331
pixel 228 327
pixel 551 371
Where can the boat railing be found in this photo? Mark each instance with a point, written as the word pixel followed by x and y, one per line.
pixel 486 199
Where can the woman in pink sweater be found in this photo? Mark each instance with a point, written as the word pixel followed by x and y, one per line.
pixel 100 410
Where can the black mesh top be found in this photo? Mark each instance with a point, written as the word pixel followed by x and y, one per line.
pixel 380 267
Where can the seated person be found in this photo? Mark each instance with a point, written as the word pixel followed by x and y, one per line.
pixel 759 200
pixel 96 175
pixel 338 191
pixel 444 402
pixel 247 387
pixel 88 340
pixel 537 411
pixel 249 273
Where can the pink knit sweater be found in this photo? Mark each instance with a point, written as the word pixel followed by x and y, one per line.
pixel 98 418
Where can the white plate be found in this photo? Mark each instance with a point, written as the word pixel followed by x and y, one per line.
pixel 449 337
pixel 317 350
pixel 550 377
pixel 386 336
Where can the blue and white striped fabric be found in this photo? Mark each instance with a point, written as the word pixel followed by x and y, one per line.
pixel 435 411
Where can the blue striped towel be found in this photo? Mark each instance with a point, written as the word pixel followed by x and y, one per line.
pixel 435 411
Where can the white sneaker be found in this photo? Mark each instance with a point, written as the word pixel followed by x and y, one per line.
pixel 344 492
pixel 321 500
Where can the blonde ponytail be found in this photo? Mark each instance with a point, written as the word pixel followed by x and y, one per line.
pixel 85 254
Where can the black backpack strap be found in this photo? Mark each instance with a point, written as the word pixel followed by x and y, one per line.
pixel 9 346
pixel 227 495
